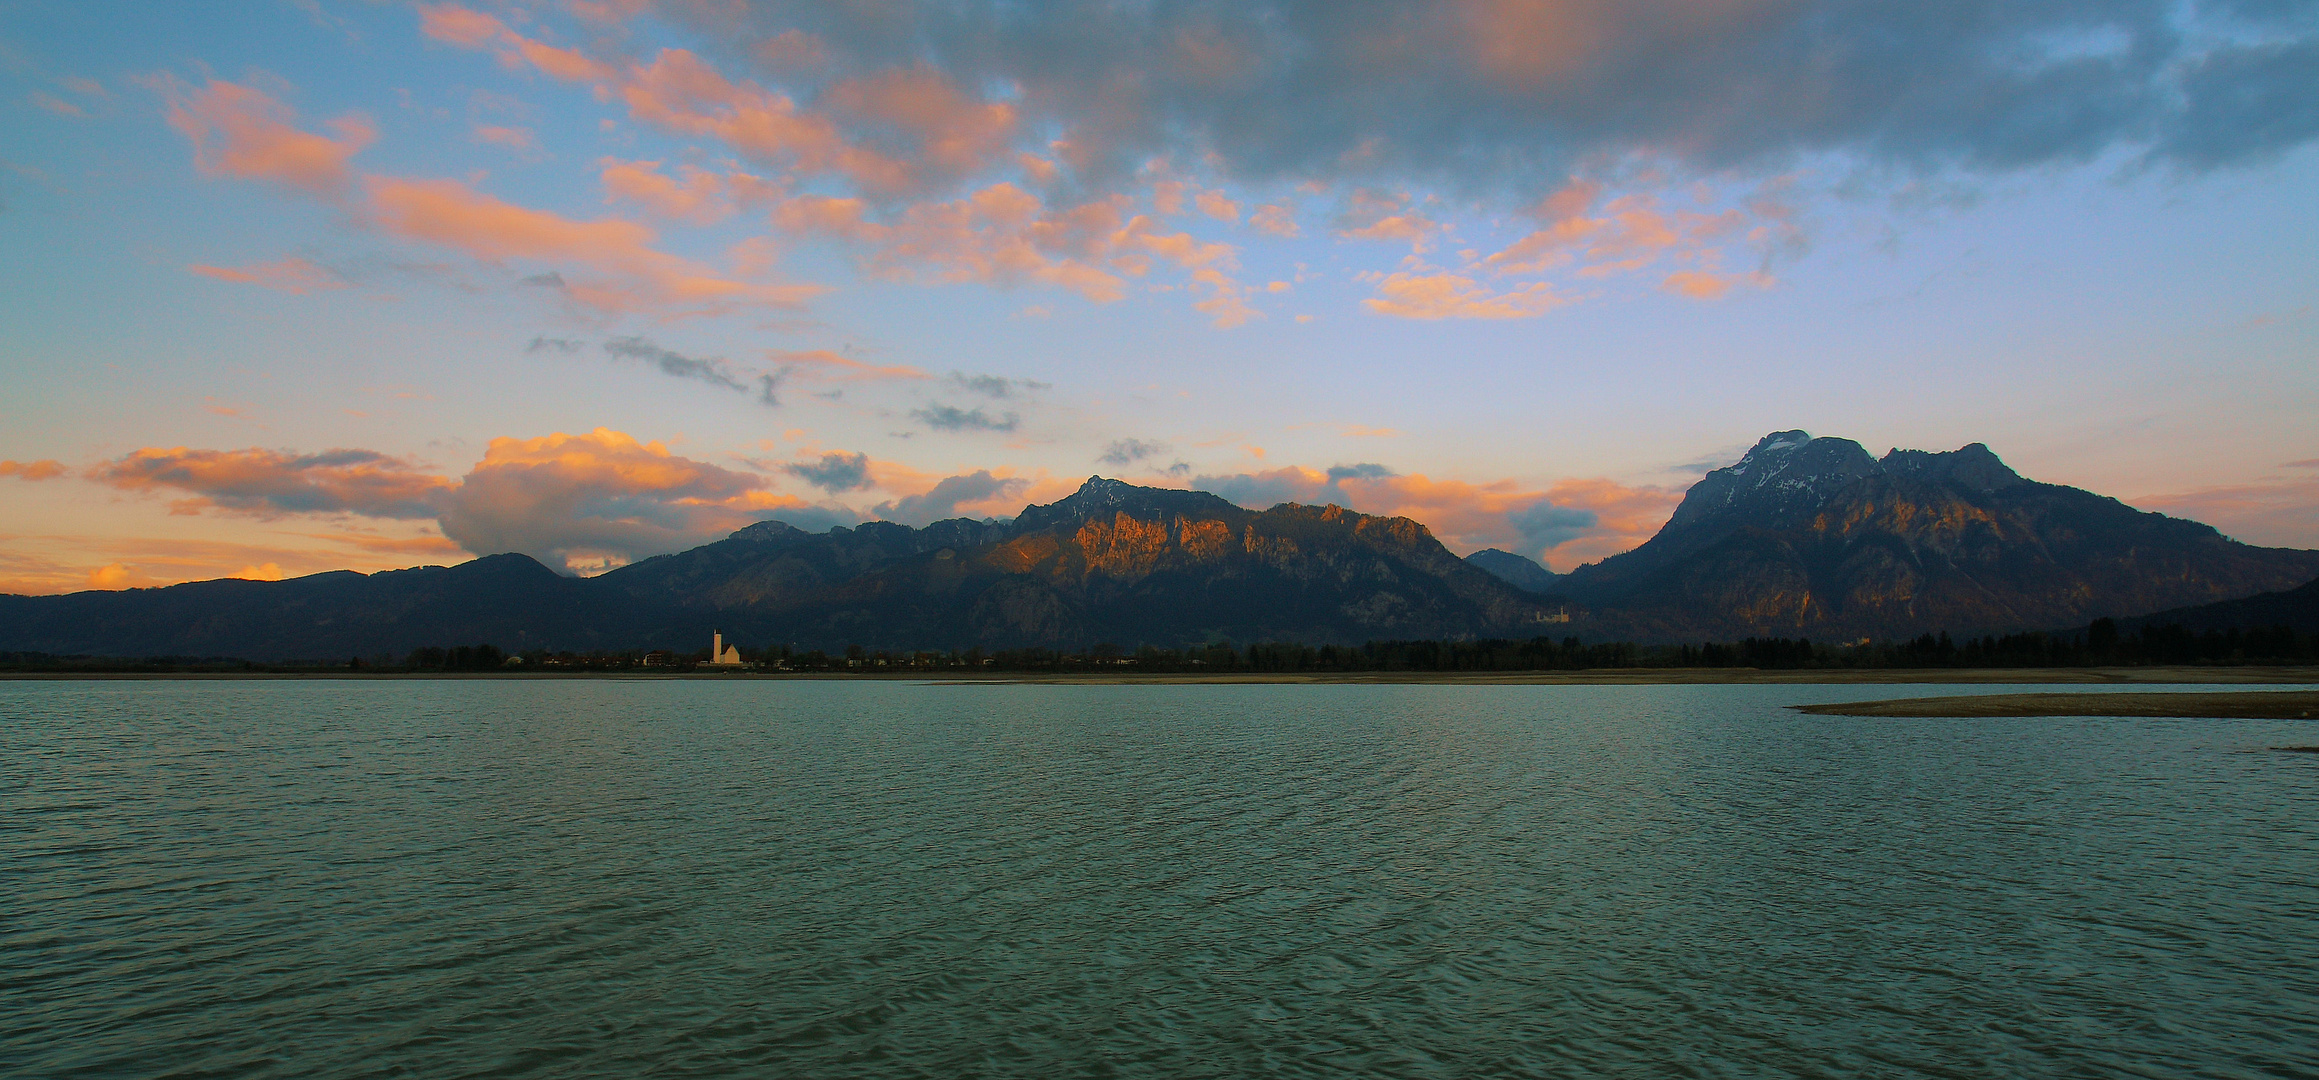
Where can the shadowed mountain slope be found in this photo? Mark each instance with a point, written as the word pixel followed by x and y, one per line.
pixel 1814 537
pixel 2297 609
pixel 506 600
pixel 1515 570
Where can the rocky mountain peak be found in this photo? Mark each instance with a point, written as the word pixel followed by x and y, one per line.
pixel 1102 498
pixel 1785 475
pixel 1971 466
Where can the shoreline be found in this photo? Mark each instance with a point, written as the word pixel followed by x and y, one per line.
pixel 2242 705
pixel 2247 675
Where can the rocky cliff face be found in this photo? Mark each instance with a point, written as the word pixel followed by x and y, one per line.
pixel 1814 537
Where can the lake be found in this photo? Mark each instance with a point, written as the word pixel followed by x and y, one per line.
pixel 612 878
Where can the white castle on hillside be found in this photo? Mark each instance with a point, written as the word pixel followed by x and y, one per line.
pixel 721 654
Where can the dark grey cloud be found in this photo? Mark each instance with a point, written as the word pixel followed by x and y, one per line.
pixel 566 346
pixel 1514 94
pixel 834 472
pixel 942 502
pixel 1544 525
pixel 1130 451
pixel 711 370
pixel 953 418
pixel 996 386
pixel 1367 470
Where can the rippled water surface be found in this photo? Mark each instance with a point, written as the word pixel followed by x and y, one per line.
pixel 633 879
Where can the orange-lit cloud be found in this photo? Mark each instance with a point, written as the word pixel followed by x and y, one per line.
pixel 290 275
pixel 1276 219
pixel 1453 296
pixel 599 500
pixel 825 364
pixel 1703 285
pixel 695 196
pixel 32 470
pixel 243 132
pixel 635 275
pixel 270 483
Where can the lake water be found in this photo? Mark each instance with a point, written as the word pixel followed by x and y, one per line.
pixel 680 878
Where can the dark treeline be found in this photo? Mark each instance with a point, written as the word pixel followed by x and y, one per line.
pixel 2100 645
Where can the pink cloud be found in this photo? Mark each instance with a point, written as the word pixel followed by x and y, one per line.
pixel 514 138
pixel 58 105
pixel 242 132
pixel 290 275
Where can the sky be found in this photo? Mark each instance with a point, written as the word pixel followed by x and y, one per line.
pixel 299 285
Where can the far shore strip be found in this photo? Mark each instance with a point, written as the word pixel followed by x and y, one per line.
pixel 2235 705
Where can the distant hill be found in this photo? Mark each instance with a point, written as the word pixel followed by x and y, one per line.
pixel 506 600
pixel 2297 609
pixel 1816 537
pixel 1522 573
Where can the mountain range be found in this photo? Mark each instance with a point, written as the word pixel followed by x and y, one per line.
pixel 1801 537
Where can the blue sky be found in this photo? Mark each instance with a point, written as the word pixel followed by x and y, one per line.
pixel 298 286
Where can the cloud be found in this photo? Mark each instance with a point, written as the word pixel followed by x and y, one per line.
pixel 1701 285
pixel 827 365
pixel 835 472
pixel 995 386
pixel 513 138
pixel 952 418
pixel 1567 523
pixel 32 470
pixel 1511 94
pixel 711 370
pixel 584 502
pixel 58 105
pixel 1452 296
pixel 1276 219
pixel 695 196
pixel 599 500
pixel 243 132
pixel 290 275
pixel 567 346
pixel 2281 513
pixel 450 214
pixel 951 494
pixel 1126 452
pixel 272 483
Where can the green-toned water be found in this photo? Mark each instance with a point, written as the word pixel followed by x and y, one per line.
pixel 643 879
